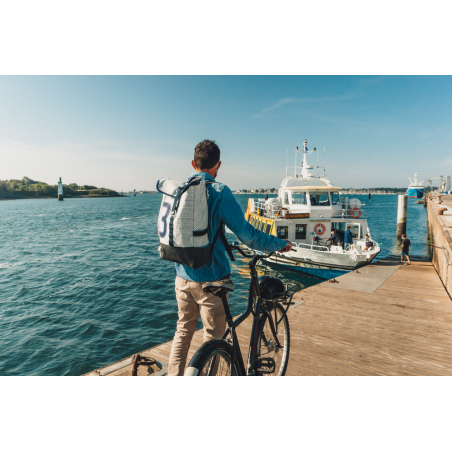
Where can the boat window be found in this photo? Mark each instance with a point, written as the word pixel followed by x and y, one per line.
pixel 268 228
pixel 319 198
pixel 300 231
pixel 261 226
pixel 354 229
pixel 340 228
pixel 253 221
pixel 283 232
pixel 335 198
pixel 286 198
pixel 299 198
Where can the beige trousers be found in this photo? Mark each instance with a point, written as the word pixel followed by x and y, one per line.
pixel 192 301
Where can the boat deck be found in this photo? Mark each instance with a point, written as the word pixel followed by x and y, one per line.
pixel 386 319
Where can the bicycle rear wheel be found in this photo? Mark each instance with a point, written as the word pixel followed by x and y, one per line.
pixel 212 359
pixel 267 346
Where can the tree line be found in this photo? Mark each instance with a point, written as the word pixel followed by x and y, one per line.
pixel 28 188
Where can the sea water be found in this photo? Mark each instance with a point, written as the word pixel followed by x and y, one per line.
pixel 82 284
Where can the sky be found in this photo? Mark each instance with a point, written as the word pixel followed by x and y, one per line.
pixel 126 132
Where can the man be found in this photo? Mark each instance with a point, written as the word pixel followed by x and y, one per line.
pixel 405 249
pixel 348 238
pixel 191 300
pixel 334 238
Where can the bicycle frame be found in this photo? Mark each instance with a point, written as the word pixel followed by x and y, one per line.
pixel 254 307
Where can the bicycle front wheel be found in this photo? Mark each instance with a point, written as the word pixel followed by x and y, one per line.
pixel 267 345
pixel 213 358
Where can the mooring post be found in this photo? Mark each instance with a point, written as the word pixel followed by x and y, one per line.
pixel 402 211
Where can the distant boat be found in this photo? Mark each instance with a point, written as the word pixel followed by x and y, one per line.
pixel 416 188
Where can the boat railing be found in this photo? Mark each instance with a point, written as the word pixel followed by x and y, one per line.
pixel 269 211
pixel 348 211
pixel 310 247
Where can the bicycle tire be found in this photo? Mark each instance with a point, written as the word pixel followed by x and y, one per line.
pixel 215 349
pixel 266 348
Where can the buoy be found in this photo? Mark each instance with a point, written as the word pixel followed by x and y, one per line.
pixel 356 211
pixel 319 228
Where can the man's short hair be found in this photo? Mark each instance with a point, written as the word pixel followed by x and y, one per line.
pixel 404 235
pixel 207 154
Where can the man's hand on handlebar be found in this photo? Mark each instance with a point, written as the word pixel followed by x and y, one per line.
pixel 287 248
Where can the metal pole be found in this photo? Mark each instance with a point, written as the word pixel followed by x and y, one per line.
pixel 402 211
pixel 287 158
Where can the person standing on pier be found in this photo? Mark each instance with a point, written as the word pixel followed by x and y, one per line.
pixel 348 238
pixel 405 249
pixel 191 300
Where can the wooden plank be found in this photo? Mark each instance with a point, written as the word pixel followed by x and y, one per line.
pixel 404 327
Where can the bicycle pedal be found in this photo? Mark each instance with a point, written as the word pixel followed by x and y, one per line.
pixel 265 365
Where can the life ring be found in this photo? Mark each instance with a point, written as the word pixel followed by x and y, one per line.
pixel 355 209
pixel 319 228
pixel 280 210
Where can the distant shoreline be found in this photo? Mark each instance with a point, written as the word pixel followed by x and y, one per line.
pixel 64 197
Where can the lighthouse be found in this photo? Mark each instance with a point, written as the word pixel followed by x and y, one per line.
pixel 60 190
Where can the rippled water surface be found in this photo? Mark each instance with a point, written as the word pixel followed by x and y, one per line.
pixel 82 285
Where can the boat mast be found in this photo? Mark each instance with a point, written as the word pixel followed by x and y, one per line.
pixel 305 174
pixel 287 158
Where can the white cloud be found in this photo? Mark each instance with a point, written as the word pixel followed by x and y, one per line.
pixel 298 100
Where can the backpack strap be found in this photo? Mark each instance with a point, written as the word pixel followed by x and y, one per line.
pixel 220 233
pixel 226 244
pixel 192 181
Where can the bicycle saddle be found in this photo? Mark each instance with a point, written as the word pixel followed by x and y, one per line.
pixel 216 286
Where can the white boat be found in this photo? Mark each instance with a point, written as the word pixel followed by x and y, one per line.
pixel 305 212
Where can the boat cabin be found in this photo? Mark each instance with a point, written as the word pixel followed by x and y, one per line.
pixel 307 214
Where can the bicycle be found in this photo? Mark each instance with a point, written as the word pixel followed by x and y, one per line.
pixel 270 334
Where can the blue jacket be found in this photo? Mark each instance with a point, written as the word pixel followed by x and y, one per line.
pixel 223 207
pixel 348 238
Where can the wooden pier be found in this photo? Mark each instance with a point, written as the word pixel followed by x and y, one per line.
pixel 384 319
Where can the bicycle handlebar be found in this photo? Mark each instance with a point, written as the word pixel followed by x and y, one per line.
pixel 236 246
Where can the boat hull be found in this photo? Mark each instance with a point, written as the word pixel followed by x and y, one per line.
pixel 310 269
pixel 415 193
pixel 323 264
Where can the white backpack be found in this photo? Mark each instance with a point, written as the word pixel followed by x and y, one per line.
pixel 183 223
